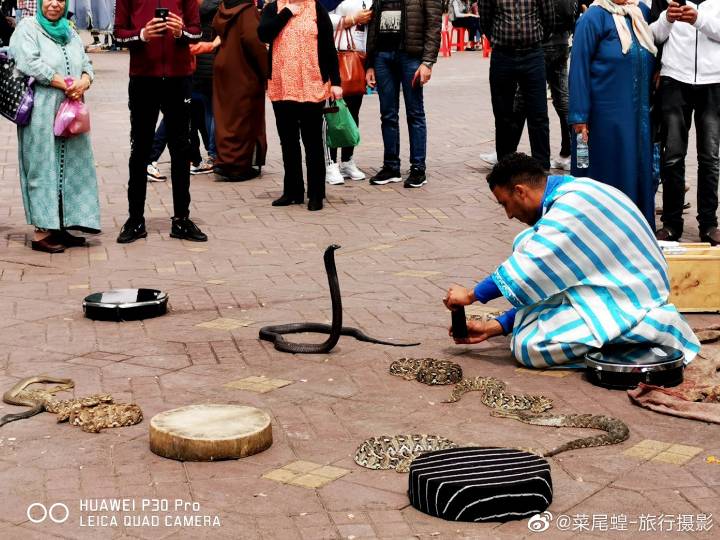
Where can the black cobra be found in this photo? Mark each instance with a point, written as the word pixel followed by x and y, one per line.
pixel 336 329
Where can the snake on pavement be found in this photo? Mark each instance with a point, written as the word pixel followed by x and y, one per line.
pixel 427 370
pixel 493 394
pixel 617 430
pixel 275 333
pixel 91 413
pixel 397 451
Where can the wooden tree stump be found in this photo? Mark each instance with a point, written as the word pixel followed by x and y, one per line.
pixel 210 432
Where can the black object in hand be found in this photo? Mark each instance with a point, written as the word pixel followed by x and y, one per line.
pixel 459 323
pixel 162 13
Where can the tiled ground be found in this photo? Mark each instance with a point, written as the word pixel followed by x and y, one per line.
pixel 401 249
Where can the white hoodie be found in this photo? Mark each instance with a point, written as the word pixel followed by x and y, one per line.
pixel 691 52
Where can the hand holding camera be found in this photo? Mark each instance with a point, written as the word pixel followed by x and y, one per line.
pixel 175 24
pixel 154 28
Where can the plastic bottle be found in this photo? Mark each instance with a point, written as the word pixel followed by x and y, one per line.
pixel 582 155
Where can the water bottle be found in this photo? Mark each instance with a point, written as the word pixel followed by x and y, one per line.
pixel 582 155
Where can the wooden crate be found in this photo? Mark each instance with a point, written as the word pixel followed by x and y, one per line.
pixel 694 277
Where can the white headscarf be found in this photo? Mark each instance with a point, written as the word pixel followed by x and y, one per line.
pixel 642 30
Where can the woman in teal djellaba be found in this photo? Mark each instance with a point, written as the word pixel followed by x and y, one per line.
pixel 611 68
pixel 57 175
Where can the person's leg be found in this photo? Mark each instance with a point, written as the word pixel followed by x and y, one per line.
pixel 676 119
pixel 197 127
pixel 209 122
pixel 556 60
pixel 288 126
pixel 518 123
pixel 707 125
pixel 159 142
pixel 176 111
pixel 533 85
pixel 311 120
pixel 144 107
pixel 387 74
pixel 503 86
pixel 353 103
pixel 414 110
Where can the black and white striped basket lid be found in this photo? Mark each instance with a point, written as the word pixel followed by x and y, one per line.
pixel 480 484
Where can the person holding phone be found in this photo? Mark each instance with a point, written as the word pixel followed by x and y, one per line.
pixel 158 34
pixel 303 73
pixel 402 47
pixel 689 85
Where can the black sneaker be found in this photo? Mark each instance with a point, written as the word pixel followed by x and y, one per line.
pixel 133 229
pixel 185 229
pixel 416 178
pixel 385 176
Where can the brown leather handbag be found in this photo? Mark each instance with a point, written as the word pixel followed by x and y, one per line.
pixel 352 63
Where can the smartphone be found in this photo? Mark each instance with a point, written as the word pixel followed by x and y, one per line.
pixel 680 2
pixel 162 13
pixel 459 323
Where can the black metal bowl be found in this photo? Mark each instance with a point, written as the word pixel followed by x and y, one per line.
pixel 125 304
pixel 626 366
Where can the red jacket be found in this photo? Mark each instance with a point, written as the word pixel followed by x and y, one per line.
pixel 164 56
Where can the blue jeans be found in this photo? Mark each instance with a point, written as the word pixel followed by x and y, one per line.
pixel 206 101
pixel 393 70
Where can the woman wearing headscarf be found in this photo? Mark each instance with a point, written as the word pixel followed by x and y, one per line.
pixel 611 68
pixel 304 72
pixel 57 175
pixel 239 79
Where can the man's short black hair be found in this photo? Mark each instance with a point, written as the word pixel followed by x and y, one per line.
pixel 516 168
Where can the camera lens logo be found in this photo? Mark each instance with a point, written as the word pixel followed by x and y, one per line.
pixel 38 512
pixel 540 522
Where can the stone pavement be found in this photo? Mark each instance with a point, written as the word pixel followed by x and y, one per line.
pixel 401 249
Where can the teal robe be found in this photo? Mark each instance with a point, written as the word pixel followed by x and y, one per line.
pixel 57 175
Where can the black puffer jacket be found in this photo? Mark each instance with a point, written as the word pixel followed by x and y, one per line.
pixel 422 20
pixel 204 70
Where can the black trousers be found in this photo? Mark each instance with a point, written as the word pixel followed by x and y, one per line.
pixel 294 120
pixel 556 72
pixel 147 96
pixel 678 101
pixel 510 70
pixel 353 104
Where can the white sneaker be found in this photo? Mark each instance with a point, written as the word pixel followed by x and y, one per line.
pixel 561 163
pixel 332 174
pixel 349 170
pixel 490 159
pixel 154 174
pixel 204 167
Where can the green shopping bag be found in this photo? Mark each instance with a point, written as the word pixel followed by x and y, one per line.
pixel 342 131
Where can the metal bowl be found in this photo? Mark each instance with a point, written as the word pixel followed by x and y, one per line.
pixel 626 366
pixel 125 304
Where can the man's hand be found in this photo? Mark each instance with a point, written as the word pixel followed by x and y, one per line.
pixel 360 17
pixel 175 24
pixel 479 331
pixel 457 297
pixel 370 78
pixel 336 92
pixel 582 128
pixel 153 29
pixel 689 15
pixel 422 75
pixel 674 12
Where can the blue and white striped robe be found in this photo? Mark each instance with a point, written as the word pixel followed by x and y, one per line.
pixel 587 274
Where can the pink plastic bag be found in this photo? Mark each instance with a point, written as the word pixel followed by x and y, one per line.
pixel 72 117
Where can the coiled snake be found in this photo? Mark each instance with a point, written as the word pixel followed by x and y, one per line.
pixel 91 413
pixel 275 333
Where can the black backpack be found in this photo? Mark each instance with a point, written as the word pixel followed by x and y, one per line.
pixel 566 15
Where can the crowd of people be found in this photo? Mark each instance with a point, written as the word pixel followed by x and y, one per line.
pixel 625 79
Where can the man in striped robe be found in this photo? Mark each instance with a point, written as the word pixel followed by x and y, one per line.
pixel 587 273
